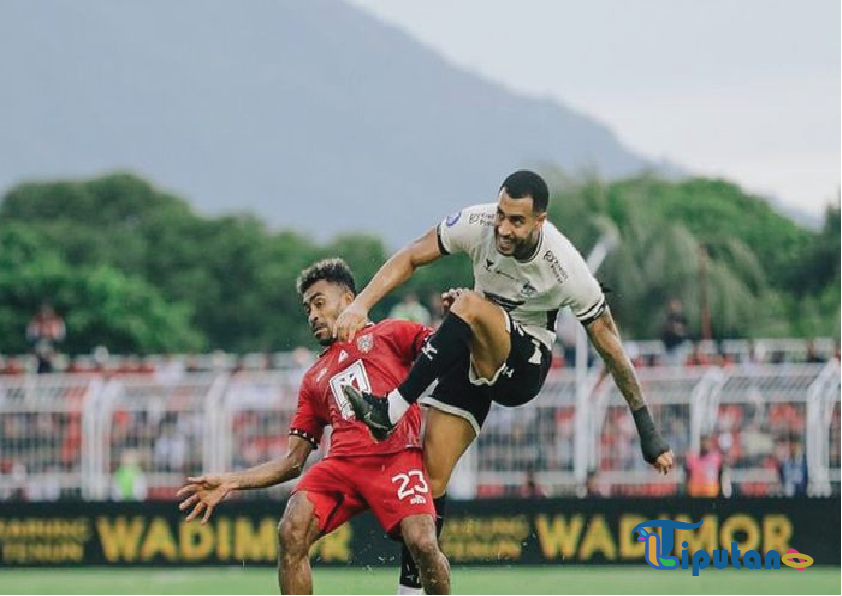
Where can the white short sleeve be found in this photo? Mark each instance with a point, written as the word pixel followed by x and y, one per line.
pixel 583 293
pixel 463 231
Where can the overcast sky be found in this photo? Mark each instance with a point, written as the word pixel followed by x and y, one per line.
pixel 746 89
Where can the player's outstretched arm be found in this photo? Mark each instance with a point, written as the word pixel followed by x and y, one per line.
pixel 393 273
pixel 606 339
pixel 206 492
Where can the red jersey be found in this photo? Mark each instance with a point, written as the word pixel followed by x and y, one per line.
pixel 376 361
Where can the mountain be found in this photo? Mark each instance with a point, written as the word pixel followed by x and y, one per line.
pixel 314 115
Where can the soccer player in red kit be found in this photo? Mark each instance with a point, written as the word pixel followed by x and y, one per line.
pixel 358 473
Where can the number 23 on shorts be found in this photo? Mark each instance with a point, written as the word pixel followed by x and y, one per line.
pixel 418 488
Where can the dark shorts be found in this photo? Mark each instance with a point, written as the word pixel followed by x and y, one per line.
pixel 518 381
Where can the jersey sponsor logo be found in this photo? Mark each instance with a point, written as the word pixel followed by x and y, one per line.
pixel 355 375
pixel 560 273
pixel 485 219
pixel 489 266
pixel 365 343
pixel 505 303
pixel 528 290
pixel 451 219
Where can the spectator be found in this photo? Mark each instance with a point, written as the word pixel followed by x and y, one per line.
pixel 129 480
pixel 792 470
pixel 756 444
pixel 45 485
pixel 530 488
pixel 597 487
pixel 704 470
pixel 170 449
pixel 410 309
pixel 674 332
pixel 697 357
pixel 18 482
pixel 11 367
pixel 44 331
pixel 192 365
pixel 100 359
pixel 813 357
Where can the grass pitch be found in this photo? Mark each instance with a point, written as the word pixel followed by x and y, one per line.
pixel 557 579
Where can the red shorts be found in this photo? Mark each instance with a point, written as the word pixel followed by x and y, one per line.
pixel 393 485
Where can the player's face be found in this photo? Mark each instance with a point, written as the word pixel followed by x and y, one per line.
pixel 324 301
pixel 517 227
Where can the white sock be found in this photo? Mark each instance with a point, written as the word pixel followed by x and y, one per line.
pixel 407 590
pixel 397 406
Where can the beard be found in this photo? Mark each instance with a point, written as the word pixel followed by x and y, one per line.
pixel 519 248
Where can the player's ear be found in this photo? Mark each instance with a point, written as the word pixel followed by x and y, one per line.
pixel 348 296
pixel 540 219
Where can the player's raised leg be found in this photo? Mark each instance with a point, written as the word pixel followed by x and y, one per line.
pixel 298 530
pixel 473 325
pixel 446 438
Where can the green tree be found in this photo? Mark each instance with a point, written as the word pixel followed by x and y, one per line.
pixel 101 305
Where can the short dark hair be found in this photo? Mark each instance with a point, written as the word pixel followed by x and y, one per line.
pixel 329 270
pixel 526 183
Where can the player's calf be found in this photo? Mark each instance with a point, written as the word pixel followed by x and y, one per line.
pixel 419 535
pixel 410 577
pixel 296 533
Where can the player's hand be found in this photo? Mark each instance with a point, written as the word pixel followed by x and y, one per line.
pixel 352 319
pixel 656 451
pixel 450 296
pixel 665 462
pixel 205 492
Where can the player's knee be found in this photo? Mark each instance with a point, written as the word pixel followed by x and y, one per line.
pixel 421 541
pixel 467 306
pixel 292 533
pixel 291 538
pixel 438 483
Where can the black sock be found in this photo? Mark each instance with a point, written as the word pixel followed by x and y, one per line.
pixel 444 348
pixel 439 504
pixel 410 576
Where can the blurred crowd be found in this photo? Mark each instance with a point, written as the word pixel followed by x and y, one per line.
pixel 756 447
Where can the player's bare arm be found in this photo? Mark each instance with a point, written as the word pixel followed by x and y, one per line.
pixel 393 273
pixel 206 492
pixel 606 339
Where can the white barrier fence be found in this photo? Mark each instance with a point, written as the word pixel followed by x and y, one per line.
pixel 68 435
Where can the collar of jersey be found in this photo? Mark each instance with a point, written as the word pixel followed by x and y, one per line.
pixel 327 349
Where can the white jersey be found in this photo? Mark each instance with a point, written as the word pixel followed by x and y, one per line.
pixel 533 290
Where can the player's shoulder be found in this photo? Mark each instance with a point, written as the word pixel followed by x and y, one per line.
pixel 557 244
pixel 481 214
pixel 395 326
pixel 308 380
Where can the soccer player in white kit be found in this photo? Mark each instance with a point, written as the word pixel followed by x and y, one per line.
pixel 495 343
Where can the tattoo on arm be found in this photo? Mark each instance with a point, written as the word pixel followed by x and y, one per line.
pixel 606 339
